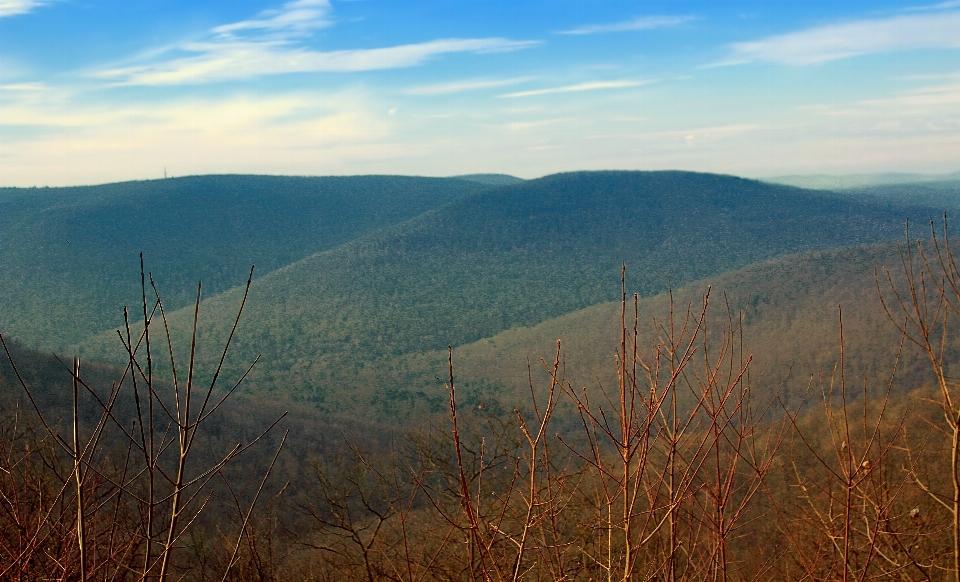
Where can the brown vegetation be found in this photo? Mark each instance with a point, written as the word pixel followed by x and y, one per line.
pixel 113 499
pixel 687 467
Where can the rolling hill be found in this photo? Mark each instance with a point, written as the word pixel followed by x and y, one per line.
pixel 69 257
pixel 791 310
pixel 353 328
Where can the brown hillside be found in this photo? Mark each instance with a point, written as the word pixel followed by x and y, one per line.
pixel 790 313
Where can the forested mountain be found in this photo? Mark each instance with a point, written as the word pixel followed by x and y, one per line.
pixel 354 344
pixel 69 257
pixel 790 308
pixel 791 311
pixel 332 327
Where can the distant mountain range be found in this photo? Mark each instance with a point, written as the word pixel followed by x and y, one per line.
pixel 857 181
pixel 359 320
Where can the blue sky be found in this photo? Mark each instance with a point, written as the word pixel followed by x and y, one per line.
pixel 95 91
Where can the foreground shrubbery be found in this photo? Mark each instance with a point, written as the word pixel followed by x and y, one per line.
pixel 686 469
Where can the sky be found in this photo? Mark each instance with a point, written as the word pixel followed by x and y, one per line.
pixel 96 91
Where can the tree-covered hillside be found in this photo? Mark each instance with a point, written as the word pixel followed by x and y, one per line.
pixel 331 327
pixel 791 308
pixel 69 257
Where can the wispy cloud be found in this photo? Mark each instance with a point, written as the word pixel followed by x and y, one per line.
pixel 641 23
pixel 271 43
pixel 939 6
pixel 462 86
pixel 24 87
pixel 931 102
pixel 591 86
pixel 285 134
pixel 14 7
pixel 850 39
pixel 221 61
pixel 298 17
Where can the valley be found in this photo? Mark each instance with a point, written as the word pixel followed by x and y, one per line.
pixel 363 283
pixel 344 328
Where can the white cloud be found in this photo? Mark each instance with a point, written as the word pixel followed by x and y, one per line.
pixel 219 61
pixel 296 17
pixel 642 23
pixel 849 39
pixel 462 86
pixel 934 104
pixel 272 43
pixel 940 6
pixel 68 140
pixel 14 7
pixel 296 133
pixel 592 86
pixel 24 87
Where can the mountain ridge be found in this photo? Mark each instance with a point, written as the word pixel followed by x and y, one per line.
pixel 508 257
pixel 69 256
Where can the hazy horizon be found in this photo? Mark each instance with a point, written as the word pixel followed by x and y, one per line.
pixel 808 181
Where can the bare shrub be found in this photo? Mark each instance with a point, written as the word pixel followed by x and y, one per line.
pixel 116 498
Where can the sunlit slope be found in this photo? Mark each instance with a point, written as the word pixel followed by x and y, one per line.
pixel 791 310
pixel 69 257
pixel 331 327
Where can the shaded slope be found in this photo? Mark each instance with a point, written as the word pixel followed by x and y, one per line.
pixel 791 309
pixel 241 419
pixel 331 327
pixel 69 256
